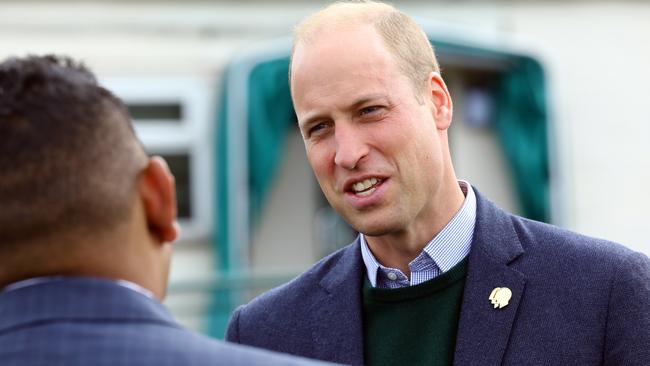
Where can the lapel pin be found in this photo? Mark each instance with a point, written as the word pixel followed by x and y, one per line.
pixel 500 297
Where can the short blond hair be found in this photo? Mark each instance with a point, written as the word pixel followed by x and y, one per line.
pixel 402 36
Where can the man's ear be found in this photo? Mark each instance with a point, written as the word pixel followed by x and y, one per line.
pixel 157 190
pixel 441 106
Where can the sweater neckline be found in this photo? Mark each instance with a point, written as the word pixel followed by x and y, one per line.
pixel 423 289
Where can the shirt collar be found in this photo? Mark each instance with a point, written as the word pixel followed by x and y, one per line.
pixel 38 280
pixel 446 249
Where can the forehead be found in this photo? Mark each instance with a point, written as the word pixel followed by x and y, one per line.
pixel 347 61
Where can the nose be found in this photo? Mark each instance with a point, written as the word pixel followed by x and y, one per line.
pixel 350 147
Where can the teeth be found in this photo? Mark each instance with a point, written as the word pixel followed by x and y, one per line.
pixel 366 193
pixel 360 187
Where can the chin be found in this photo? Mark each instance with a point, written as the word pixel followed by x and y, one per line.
pixel 374 227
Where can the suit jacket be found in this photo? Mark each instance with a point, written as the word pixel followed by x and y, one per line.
pixel 575 301
pixel 85 321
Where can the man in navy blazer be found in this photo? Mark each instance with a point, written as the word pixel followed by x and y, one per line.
pixel 374 111
pixel 85 230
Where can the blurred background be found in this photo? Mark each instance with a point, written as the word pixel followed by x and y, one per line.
pixel 551 121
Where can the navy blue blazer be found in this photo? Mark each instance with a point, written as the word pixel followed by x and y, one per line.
pixel 85 321
pixel 575 301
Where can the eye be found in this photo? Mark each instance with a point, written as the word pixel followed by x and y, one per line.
pixel 369 110
pixel 318 127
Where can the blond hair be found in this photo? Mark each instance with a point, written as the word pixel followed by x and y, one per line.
pixel 402 36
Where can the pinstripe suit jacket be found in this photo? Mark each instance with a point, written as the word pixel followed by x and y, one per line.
pixel 84 321
pixel 575 301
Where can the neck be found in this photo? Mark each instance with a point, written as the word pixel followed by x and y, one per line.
pixel 110 259
pixel 397 250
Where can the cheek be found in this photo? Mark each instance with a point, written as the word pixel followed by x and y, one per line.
pixel 420 159
pixel 321 161
pixel 426 142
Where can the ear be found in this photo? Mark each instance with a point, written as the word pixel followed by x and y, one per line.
pixel 158 193
pixel 441 106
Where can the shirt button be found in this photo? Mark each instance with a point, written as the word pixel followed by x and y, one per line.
pixel 391 276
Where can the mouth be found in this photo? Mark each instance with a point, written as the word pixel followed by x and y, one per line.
pixel 366 187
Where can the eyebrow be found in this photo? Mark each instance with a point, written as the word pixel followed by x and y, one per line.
pixel 361 100
pixel 365 99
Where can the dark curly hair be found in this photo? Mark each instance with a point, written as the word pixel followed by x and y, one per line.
pixel 68 152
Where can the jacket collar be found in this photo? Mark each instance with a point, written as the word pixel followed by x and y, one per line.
pixel 339 327
pixel 78 298
pixel 483 331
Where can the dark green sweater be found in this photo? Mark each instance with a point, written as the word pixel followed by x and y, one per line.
pixel 414 325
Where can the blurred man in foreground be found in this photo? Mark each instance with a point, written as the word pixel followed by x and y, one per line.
pixel 439 274
pixel 86 221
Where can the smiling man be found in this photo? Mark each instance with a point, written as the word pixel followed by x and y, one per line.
pixel 378 146
pixel 439 275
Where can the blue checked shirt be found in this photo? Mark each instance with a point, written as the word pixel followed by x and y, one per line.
pixel 444 251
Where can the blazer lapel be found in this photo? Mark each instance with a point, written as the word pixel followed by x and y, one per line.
pixel 483 330
pixel 338 334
